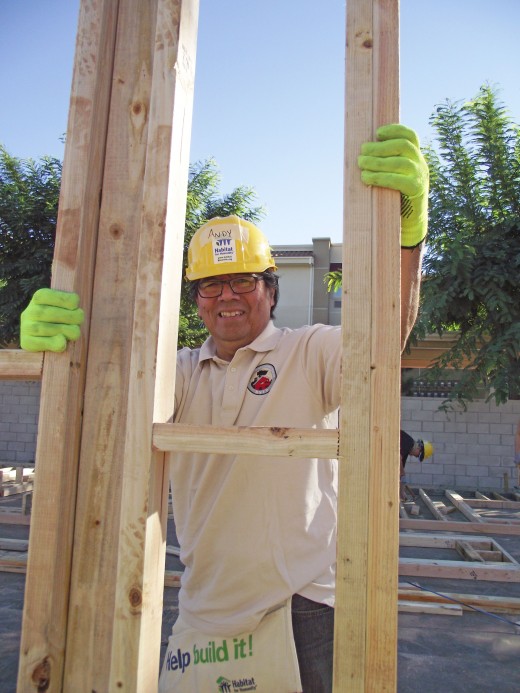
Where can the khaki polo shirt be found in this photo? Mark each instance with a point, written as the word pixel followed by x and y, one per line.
pixel 254 531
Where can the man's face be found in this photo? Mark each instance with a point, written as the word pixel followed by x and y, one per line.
pixel 416 450
pixel 235 320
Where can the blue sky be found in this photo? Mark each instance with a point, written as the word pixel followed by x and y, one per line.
pixel 269 89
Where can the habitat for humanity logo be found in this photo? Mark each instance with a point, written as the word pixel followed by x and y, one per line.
pixel 230 686
pixel 224 250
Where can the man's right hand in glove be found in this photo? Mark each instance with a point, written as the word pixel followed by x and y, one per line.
pixel 50 320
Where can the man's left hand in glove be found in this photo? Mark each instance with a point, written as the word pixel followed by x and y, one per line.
pixel 395 161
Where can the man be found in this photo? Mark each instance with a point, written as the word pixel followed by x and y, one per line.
pixel 258 536
pixel 422 449
pixel 414 448
pixel 517 452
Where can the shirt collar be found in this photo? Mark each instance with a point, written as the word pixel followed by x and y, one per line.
pixel 265 341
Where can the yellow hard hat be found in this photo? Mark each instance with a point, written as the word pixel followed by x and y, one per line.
pixel 228 245
pixel 426 449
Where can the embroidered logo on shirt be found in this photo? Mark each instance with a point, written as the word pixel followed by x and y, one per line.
pixel 262 379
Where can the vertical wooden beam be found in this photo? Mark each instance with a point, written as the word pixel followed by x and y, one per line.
pixel 116 595
pixel 117 575
pixel 180 93
pixel 367 578
pixel 52 526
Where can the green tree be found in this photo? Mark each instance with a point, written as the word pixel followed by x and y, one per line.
pixel 471 269
pixel 29 192
pixel 472 265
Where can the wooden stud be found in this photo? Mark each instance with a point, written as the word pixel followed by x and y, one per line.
pixel 492 603
pixel 459 502
pixel 467 551
pixel 16 364
pixel 505 511
pixel 117 581
pixel 133 75
pixel 13 565
pixel 365 639
pixel 9 544
pixel 50 547
pixel 449 541
pixel 14 517
pixel 13 489
pixel 492 504
pixel 437 508
pixel 413 607
pixel 459 570
pixel 499 496
pixel 455 526
pixel 293 442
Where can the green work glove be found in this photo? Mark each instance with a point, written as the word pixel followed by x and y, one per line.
pixel 50 320
pixel 396 162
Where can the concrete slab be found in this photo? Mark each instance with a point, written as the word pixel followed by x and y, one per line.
pixel 472 653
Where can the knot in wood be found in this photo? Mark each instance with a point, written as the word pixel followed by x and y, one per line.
pixel 41 675
pixel 279 432
pixel 135 596
pixel 138 115
pixel 115 231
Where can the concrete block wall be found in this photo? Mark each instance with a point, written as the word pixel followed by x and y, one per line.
pixel 19 409
pixel 473 449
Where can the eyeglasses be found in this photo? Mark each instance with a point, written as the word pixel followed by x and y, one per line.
pixel 211 288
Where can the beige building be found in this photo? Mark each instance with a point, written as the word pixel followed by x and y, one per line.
pixel 304 299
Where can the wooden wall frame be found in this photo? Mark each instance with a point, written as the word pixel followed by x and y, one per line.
pixel 95 571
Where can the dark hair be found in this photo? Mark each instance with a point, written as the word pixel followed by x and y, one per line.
pixel 269 277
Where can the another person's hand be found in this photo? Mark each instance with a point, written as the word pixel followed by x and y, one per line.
pixel 50 320
pixel 395 161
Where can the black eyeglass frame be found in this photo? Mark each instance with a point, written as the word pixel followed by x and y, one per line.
pixel 256 277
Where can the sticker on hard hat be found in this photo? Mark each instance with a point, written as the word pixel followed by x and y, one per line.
pixel 224 250
pixel 238 231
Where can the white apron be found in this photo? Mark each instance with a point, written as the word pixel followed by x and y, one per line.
pixel 263 661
